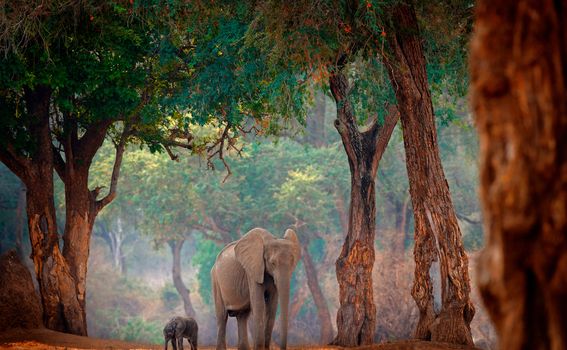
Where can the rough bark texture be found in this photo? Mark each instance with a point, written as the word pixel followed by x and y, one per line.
pixel 519 84
pixel 437 234
pixel 19 304
pixel 356 317
pixel 177 280
pixel 61 309
pixel 81 204
pixel 81 207
pixel 326 327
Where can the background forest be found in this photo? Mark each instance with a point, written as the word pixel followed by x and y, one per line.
pixel 153 247
pixel 138 137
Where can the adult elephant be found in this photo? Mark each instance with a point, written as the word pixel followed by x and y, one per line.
pixel 250 276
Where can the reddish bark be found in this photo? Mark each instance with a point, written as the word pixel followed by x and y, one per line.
pixel 519 82
pixel 437 234
pixel 81 204
pixel 61 309
pixel 356 317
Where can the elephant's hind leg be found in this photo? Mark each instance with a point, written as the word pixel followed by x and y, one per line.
pixel 242 319
pixel 222 317
pixel 271 309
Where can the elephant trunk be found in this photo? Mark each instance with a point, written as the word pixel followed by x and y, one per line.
pixel 283 285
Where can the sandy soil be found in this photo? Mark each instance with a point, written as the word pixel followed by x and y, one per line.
pixel 39 339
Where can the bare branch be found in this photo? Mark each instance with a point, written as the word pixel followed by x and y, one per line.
pixel 120 147
pixel 173 156
pixel 468 220
pixel 219 145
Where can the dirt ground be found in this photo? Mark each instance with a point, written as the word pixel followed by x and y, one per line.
pixel 39 339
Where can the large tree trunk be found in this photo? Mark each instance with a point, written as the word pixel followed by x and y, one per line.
pixel 326 327
pixel 437 234
pixel 81 204
pixel 519 84
pixel 79 221
pixel 356 317
pixel 183 291
pixel 61 309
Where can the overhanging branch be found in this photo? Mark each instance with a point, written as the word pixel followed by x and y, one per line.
pixel 15 162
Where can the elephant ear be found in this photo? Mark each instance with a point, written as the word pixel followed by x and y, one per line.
pixel 291 236
pixel 250 254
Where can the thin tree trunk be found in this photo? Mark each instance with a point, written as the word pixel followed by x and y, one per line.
pixel 118 255
pixel 115 240
pixel 177 280
pixel 437 234
pixel 356 317
pixel 299 299
pixel 519 83
pixel 326 334
pixel 397 210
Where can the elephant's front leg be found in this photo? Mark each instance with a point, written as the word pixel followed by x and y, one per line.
pixel 222 317
pixel 271 309
pixel 258 306
pixel 242 319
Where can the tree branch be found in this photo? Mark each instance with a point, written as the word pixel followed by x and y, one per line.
pixel 345 122
pixel 120 147
pixel 90 142
pixel 467 219
pixel 384 133
pixel 15 162
pixel 219 151
pixel 205 232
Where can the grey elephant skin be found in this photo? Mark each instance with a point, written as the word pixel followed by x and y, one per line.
pixel 178 328
pixel 250 276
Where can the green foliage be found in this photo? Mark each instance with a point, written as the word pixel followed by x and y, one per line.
pixel 138 329
pixel 232 81
pixel 86 54
pixel 115 304
pixel 204 259
pixel 169 296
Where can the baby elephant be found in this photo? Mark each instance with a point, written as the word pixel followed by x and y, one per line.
pixel 178 328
